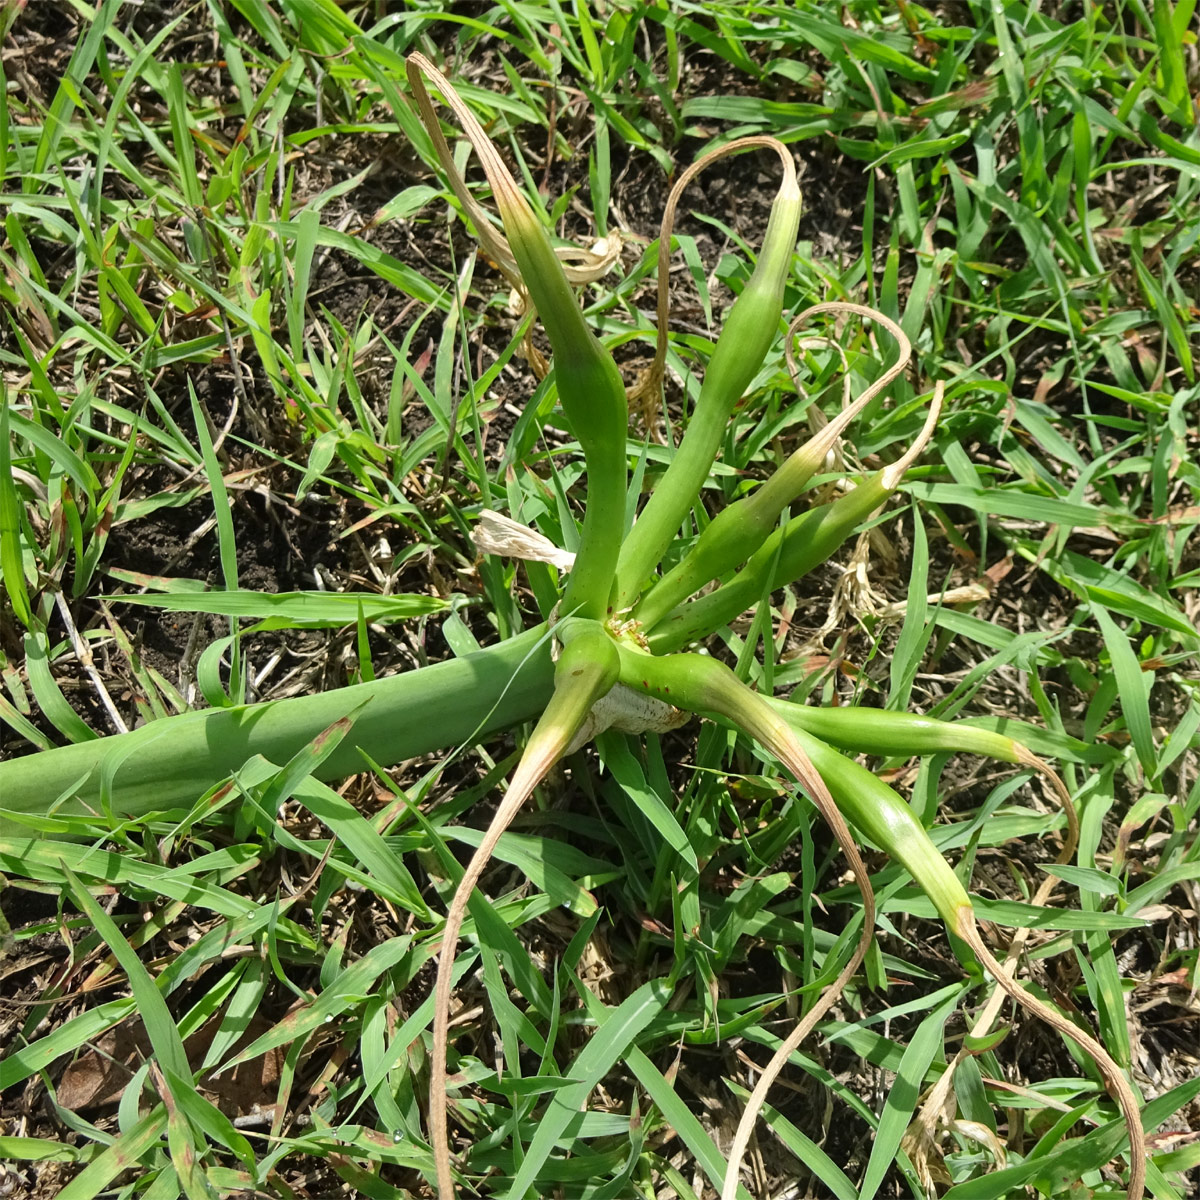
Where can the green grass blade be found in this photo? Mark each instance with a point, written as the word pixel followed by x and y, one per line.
pixel 152 1007
pixel 681 1119
pixel 124 1154
pixel 12 566
pixel 1131 687
pixel 294 610
pixel 610 1042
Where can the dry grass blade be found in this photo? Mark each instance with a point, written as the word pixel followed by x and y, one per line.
pixel 494 243
pixel 891 475
pixel 529 774
pixel 920 1138
pixel 580 265
pixel 781 742
pixel 1027 758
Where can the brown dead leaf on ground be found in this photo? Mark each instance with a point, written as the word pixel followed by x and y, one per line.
pixel 99 1078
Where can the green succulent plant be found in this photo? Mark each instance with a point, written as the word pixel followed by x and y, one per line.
pixel 619 650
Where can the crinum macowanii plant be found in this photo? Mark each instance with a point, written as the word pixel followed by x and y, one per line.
pixel 621 636
pixel 621 626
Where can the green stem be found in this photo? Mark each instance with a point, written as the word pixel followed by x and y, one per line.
pixel 803 543
pixel 703 684
pixel 736 532
pixel 887 733
pixel 750 328
pixel 592 395
pixel 880 814
pixel 590 388
pixel 699 683
pixel 891 734
pixel 791 552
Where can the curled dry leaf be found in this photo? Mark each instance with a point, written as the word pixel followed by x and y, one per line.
pixel 502 536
